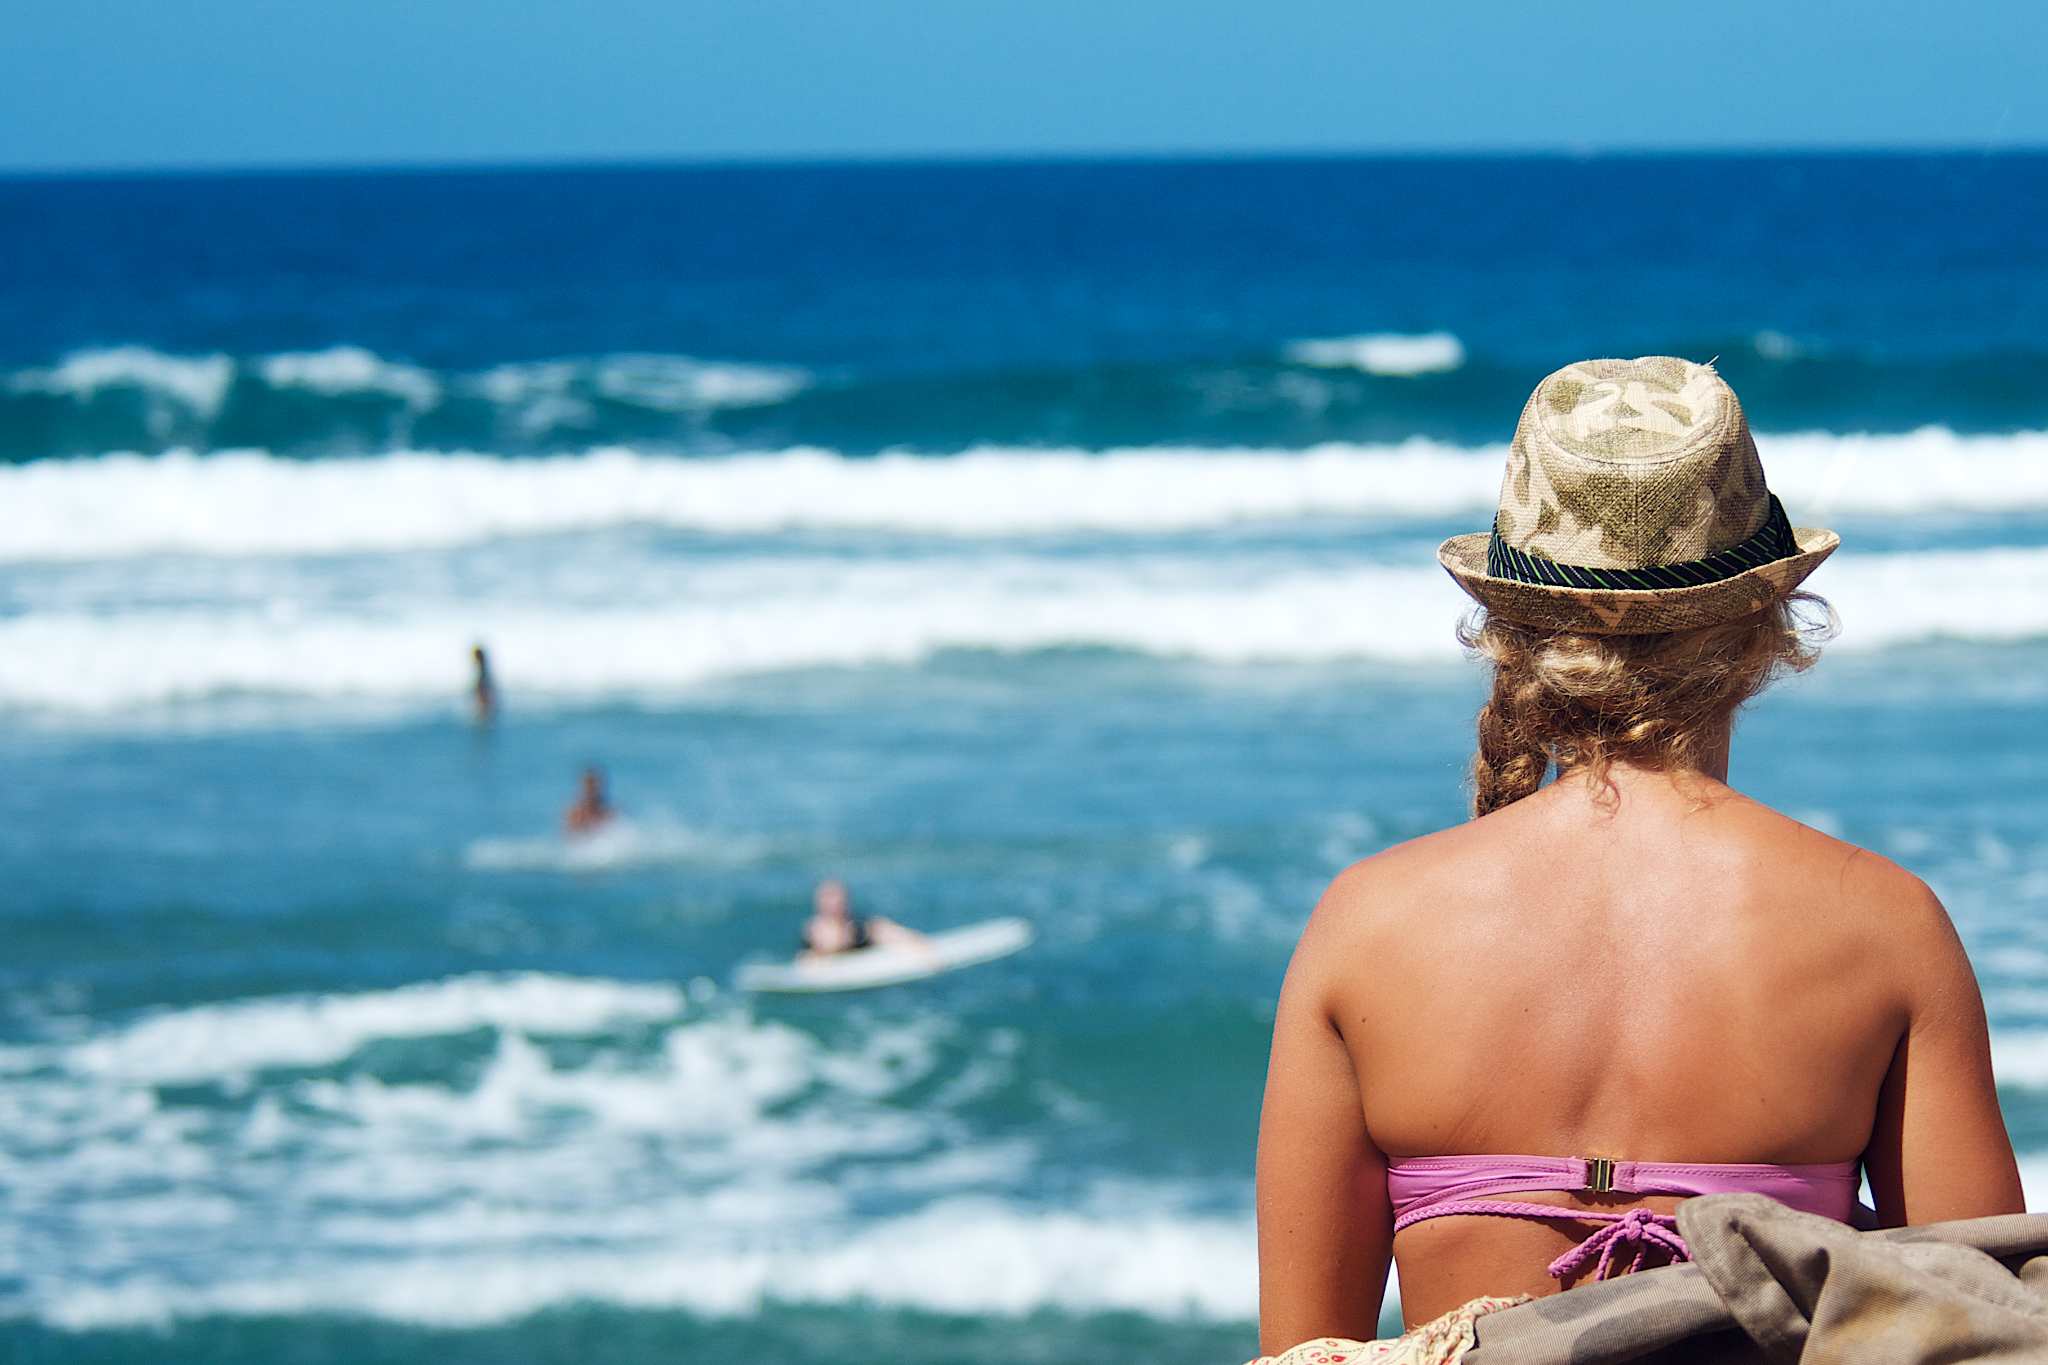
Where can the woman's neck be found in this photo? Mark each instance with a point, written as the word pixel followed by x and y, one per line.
pixel 1707 771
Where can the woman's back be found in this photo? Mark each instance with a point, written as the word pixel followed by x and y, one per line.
pixel 1635 963
pixel 1674 974
pixel 1687 976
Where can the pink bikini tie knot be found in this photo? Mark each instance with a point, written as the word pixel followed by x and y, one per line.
pixel 1640 1229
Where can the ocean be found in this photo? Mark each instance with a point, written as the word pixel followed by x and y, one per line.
pixel 1038 539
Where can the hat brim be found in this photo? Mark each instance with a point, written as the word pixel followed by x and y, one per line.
pixel 1649 611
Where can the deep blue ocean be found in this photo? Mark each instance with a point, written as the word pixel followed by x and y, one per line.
pixel 1051 540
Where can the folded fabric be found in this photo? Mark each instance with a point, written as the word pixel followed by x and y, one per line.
pixel 1824 1294
pixel 1771 1286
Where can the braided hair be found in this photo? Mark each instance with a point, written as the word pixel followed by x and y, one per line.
pixel 1571 700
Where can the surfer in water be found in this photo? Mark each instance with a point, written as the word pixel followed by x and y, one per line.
pixel 834 928
pixel 592 809
pixel 483 692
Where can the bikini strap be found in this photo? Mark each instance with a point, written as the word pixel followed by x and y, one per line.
pixel 1637 1229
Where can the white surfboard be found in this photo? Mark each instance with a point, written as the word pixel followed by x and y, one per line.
pixel 891 965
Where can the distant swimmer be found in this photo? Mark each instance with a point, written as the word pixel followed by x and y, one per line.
pixel 483 692
pixel 593 809
pixel 834 928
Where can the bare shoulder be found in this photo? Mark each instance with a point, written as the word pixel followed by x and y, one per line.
pixel 1887 905
pixel 1865 881
pixel 1921 938
pixel 1371 905
pixel 1373 886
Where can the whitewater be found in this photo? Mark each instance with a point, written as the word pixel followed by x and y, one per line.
pixel 621 623
pixel 538 1151
pixel 526 1187
pixel 134 582
pixel 255 503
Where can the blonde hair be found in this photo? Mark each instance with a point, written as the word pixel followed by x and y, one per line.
pixel 1575 700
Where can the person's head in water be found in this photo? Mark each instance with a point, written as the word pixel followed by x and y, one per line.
pixel 832 900
pixel 591 809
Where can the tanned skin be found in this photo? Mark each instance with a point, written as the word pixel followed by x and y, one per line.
pixel 1663 970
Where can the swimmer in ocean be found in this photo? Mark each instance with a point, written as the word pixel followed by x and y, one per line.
pixel 592 809
pixel 483 692
pixel 834 928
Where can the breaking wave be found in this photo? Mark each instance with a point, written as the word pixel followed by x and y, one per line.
pixel 966 1255
pixel 544 1140
pixel 680 1155
pixel 1387 353
pixel 251 502
pixel 350 399
pixel 657 629
pixel 1370 388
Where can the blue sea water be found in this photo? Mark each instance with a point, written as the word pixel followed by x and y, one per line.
pixel 1051 540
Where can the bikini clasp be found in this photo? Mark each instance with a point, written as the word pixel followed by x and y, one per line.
pixel 1599 1174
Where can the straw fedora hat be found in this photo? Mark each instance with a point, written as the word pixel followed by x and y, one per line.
pixel 1634 503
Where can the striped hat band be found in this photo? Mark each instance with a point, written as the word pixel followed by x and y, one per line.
pixel 1772 541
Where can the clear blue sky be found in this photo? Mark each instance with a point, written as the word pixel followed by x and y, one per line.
pixel 154 83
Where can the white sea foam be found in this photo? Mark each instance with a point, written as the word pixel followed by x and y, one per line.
pixel 343 370
pixel 2034 1181
pixel 667 628
pixel 738 1161
pixel 250 503
pixel 716 1081
pixel 1773 345
pixel 199 383
pixel 735 1167
pixel 679 384
pixel 541 392
pixel 744 620
pixel 622 843
pixel 2020 1057
pixel 454 1205
pixel 958 1256
pixel 1385 353
pixel 215 1041
pixel 666 383
pixel 525 380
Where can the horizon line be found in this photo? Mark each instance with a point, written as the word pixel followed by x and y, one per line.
pixel 994 158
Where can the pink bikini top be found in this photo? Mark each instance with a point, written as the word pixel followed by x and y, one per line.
pixel 1426 1187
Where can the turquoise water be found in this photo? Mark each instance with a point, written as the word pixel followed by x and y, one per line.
pixel 1041 541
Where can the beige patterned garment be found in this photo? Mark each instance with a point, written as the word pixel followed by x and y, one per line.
pixel 1440 1341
